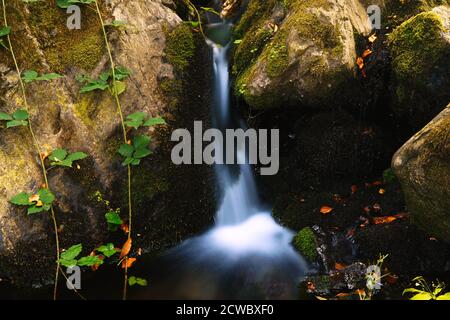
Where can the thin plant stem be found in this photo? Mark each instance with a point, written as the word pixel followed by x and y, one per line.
pixel 38 149
pixel 124 131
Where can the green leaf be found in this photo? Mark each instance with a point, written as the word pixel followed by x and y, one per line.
pixel 21 199
pixel 113 218
pixel 135 162
pixel 135 120
pixel 20 114
pixel 34 209
pixel 16 123
pixel 89 261
pixel 422 296
pixel 388 175
pixel 140 142
pixel 141 153
pixel 127 161
pixel 118 88
pixel 94 85
pixel 412 290
pixel 121 73
pixel 135 280
pixel 117 23
pixel 126 150
pixel 237 41
pixel 72 252
pixel 64 4
pixel 46 196
pixel 77 156
pixel 445 296
pixel 4 31
pixel 154 121
pixel 68 263
pixel 29 76
pixel 49 76
pixel 107 250
pixel 58 155
pixel 5 116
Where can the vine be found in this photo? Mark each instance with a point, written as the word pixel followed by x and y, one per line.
pixel 43 199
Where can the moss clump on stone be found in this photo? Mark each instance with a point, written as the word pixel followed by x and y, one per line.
pixel 64 48
pixel 277 60
pixel 305 242
pixel 416 46
pixel 180 46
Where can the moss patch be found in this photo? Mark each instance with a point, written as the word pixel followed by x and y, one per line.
pixel 305 242
pixel 180 46
pixel 417 45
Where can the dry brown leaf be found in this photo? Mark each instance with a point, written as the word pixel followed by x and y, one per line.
pixel 381 191
pixel 126 248
pixel 360 63
pixel 372 38
pixel 125 228
pixel 325 209
pixel 342 295
pixel 339 266
pixel 384 220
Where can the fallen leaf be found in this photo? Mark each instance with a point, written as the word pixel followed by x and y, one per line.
pixel 125 228
pixel 321 298
pixel 433 239
pixel 384 220
pixel 366 53
pixel 127 263
pixel 33 198
pixel 342 295
pixel 339 266
pixel 391 278
pixel 381 191
pixel 139 251
pixel 401 215
pixel 354 188
pixel 350 233
pixel 44 155
pixel 360 292
pixel 372 38
pixel 360 63
pixel 325 209
pixel 126 248
pixel 96 266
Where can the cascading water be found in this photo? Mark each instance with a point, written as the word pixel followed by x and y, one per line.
pixel 246 254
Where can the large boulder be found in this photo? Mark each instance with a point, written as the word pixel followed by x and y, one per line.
pixel 423 167
pixel 170 202
pixel 297 52
pixel 420 50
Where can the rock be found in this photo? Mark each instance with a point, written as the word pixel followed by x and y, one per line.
pixel 298 52
pixel 420 50
pixel 423 167
pixel 229 7
pixel 170 202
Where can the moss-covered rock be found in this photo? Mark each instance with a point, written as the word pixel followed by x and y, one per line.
pixel 420 49
pixel 164 55
pixel 423 167
pixel 296 52
pixel 305 242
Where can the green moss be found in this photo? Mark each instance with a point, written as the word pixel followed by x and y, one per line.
pixel 180 46
pixel 305 242
pixel 277 60
pixel 64 48
pixel 416 45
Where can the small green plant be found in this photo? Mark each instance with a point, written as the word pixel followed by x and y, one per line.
pixel 106 81
pixel 135 151
pixel 41 201
pixel 64 4
pixel 4 32
pixel 31 75
pixel 305 242
pixel 424 291
pixel 18 118
pixel 69 257
pixel 137 281
pixel 60 157
pixel 114 220
pixel 138 119
pixel 388 176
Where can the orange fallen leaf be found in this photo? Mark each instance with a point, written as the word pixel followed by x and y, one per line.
pixel 126 248
pixel 366 53
pixel 325 209
pixel 342 295
pixel 354 188
pixel 127 263
pixel 44 155
pixel 384 220
pixel 339 266
pixel 125 228
pixel 360 63
pixel 360 292
pixel 401 215
pixel 96 266
pixel 33 198
pixel 381 191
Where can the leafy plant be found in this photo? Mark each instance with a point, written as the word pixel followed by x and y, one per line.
pixel 114 220
pixel 31 75
pixel 426 291
pixel 41 201
pixel 108 250
pixel 104 81
pixel 137 281
pixel 4 31
pixel 69 257
pixel 64 4
pixel 136 151
pixel 139 119
pixel 61 157
pixel 18 118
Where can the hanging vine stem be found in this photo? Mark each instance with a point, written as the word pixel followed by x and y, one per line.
pixel 199 19
pixel 125 138
pixel 38 149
